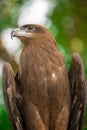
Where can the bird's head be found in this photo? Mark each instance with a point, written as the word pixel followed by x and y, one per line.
pixel 32 32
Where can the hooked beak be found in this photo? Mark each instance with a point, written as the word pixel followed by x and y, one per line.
pixel 14 33
pixel 18 33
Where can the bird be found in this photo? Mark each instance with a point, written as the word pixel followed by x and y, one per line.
pixel 43 95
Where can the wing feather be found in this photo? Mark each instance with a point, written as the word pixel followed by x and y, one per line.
pixel 11 96
pixel 78 92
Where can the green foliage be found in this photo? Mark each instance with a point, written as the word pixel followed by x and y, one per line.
pixel 4 121
pixel 9 13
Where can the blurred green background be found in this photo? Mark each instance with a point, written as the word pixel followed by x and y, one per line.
pixel 66 19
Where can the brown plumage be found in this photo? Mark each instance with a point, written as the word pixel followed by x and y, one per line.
pixel 42 94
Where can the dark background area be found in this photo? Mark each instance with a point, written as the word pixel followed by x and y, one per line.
pixel 66 19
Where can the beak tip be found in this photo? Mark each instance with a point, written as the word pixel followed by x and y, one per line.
pixel 11 37
pixel 12 34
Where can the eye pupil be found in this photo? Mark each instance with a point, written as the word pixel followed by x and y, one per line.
pixel 30 28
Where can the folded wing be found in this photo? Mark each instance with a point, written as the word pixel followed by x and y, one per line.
pixel 12 97
pixel 78 92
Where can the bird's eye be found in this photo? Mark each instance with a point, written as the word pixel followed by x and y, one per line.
pixel 30 28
